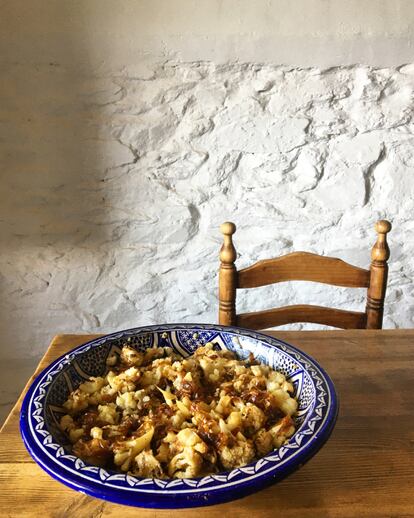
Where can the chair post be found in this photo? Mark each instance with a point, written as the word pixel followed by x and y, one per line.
pixel 227 277
pixel 378 279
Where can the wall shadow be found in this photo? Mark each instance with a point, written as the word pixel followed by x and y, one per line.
pixel 53 161
pixel 53 152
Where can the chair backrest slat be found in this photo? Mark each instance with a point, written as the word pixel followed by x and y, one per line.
pixel 303 266
pixel 302 313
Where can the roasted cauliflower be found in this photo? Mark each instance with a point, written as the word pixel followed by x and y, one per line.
pixel 157 415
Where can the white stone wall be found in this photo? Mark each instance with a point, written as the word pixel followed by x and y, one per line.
pixel 115 186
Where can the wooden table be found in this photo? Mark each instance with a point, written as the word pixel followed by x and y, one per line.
pixel 365 469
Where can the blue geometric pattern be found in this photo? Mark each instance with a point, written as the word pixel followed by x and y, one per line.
pixel 40 412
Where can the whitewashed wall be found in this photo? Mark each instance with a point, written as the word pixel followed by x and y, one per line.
pixel 119 225
pixel 115 181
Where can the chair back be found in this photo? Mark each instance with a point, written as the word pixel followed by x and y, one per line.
pixel 304 266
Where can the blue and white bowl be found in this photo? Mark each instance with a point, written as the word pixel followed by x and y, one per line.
pixel 42 410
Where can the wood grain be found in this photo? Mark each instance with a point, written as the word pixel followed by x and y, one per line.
pixel 365 469
pixel 303 266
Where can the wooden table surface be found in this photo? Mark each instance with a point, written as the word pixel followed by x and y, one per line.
pixel 365 469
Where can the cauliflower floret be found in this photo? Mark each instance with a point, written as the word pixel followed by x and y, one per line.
pixel 287 404
pixel 153 353
pixel 263 441
pixel 107 394
pixel 204 420
pixel 130 401
pixel 234 421
pixel 213 367
pixel 96 432
pixel 187 384
pixel 84 395
pixel 205 350
pixel 290 406
pixel 92 386
pixel 131 357
pixel 113 432
pixel 165 450
pixel 239 369
pixel 126 451
pixel 208 367
pixel 274 381
pixel 252 418
pixel 282 430
pixel 257 382
pixel 108 413
pixel 186 464
pixel 67 425
pixel 125 381
pixel 76 401
pixel 240 453
pixel 150 377
pixel 189 437
pixel 146 465
pixel 287 386
pixel 126 401
pixel 242 382
pixel 256 370
pixel 224 405
pixel 276 376
pixel 178 419
pixel 112 359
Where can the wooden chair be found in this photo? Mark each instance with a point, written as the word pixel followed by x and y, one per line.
pixel 304 266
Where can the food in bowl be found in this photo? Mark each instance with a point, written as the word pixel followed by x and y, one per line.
pixel 156 414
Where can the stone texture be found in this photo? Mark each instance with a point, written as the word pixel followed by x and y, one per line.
pixel 114 187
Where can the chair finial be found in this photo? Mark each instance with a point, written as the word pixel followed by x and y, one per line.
pixel 228 252
pixel 228 228
pixel 383 226
pixel 380 251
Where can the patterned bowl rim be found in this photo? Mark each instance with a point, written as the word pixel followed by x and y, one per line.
pixel 208 490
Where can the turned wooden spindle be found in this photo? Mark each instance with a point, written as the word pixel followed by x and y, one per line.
pixel 227 277
pixel 378 276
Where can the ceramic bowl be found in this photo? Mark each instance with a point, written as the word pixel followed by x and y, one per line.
pixel 42 410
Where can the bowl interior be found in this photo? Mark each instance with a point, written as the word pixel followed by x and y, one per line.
pixel 90 360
